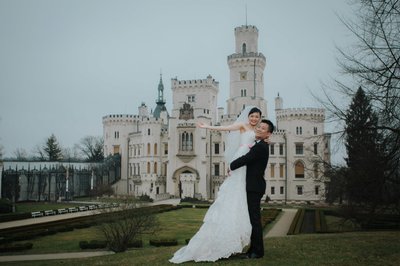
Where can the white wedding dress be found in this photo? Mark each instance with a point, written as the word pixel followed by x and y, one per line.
pixel 226 229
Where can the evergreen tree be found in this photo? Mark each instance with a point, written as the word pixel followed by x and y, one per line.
pixel 365 177
pixel 52 149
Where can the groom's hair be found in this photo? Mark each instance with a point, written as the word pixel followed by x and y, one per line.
pixel 271 126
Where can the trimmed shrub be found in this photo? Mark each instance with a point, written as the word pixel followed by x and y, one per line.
pixel 84 244
pixel 136 244
pixel 5 206
pixel 15 247
pixel 15 216
pixel 163 242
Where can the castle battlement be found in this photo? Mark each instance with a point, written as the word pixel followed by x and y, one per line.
pixel 118 118
pixel 246 28
pixel 301 113
pixel 151 120
pixel 194 82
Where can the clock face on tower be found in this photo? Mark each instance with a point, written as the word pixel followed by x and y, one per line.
pixel 243 75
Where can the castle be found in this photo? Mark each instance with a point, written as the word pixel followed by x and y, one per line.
pixel 164 154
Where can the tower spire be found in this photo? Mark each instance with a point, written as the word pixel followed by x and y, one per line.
pixel 160 99
pixel 246 12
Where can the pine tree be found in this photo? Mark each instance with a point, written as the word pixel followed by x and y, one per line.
pixel 366 175
pixel 52 149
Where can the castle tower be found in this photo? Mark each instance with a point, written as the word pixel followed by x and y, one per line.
pixel 246 67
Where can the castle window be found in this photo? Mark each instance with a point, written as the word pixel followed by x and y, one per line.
pixel 116 149
pixel 315 148
pixel 243 93
pixel 281 190
pixel 243 48
pixel 316 170
pixel 148 131
pixel 216 169
pixel 191 98
pixel 243 75
pixel 155 148
pixel 272 147
pixel 272 170
pixel 155 168
pixel 187 141
pixel 281 170
pixel 299 170
pixel 148 148
pixel 299 148
pixel 299 190
pixel 315 130
pixel 316 189
pixel 148 167
pixel 299 130
pixel 165 148
pixel 116 134
pixel 216 148
pixel 272 190
pixel 280 148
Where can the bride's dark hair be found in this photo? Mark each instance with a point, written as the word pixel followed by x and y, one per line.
pixel 254 110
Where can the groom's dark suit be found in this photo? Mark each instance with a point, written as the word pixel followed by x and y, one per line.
pixel 256 161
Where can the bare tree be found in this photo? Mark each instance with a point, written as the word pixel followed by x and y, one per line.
pixel 92 148
pixel 128 225
pixel 20 154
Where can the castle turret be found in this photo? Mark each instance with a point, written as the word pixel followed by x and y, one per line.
pixel 278 103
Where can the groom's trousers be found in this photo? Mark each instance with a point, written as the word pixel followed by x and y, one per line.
pixel 257 242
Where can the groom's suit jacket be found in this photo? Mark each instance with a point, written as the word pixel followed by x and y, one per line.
pixel 256 161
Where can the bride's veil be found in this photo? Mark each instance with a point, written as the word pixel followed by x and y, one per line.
pixel 232 140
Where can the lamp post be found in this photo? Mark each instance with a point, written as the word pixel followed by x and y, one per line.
pixel 67 184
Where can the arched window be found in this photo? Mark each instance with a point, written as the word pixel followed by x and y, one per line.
pixel 299 170
pixel 155 148
pixel 186 141
pixel 148 148
pixel 155 167
pixel 148 167
pixel 243 48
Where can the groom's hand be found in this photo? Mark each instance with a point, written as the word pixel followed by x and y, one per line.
pixel 229 171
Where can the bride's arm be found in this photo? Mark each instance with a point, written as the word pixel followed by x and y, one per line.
pixel 233 127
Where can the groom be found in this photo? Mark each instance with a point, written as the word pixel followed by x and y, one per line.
pixel 256 161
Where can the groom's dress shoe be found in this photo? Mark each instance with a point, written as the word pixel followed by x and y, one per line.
pixel 253 256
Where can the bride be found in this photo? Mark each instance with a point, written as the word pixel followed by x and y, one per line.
pixel 226 226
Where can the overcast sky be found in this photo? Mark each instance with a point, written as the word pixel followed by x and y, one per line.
pixel 64 64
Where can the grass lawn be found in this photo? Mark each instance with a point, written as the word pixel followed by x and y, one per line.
pixel 353 248
pixel 180 224
pixel 356 248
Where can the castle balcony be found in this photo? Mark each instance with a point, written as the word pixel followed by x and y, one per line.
pixel 218 179
pixel 246 55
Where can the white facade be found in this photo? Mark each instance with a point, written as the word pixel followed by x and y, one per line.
pixel 166 155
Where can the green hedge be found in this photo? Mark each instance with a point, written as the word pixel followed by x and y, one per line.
pixel 297 222
pixel 5 206
pixel 93 244
pixel 15 247
pixel 163 242
pixel 14 216
pixel 320 222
